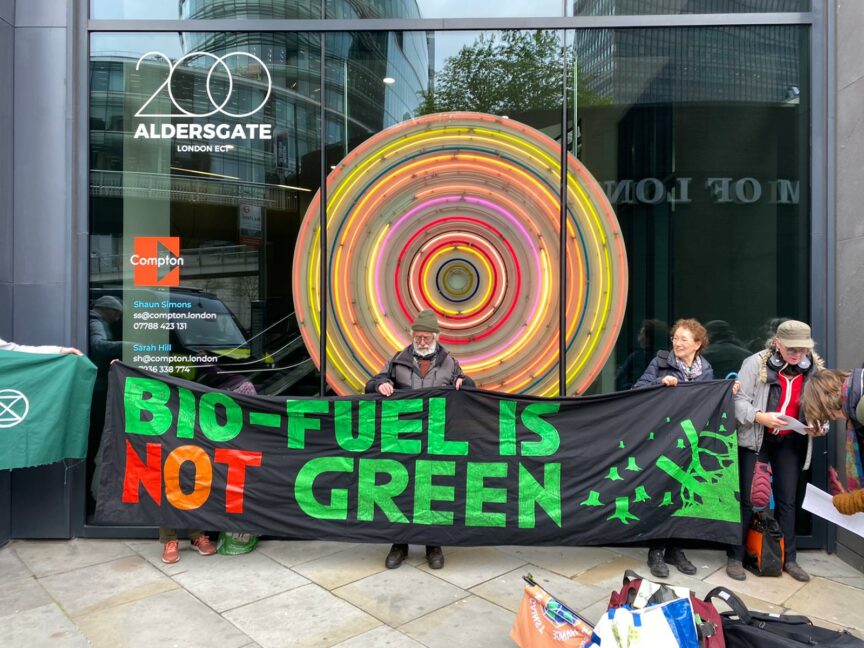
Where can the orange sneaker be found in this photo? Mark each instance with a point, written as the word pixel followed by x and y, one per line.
pixel 171 552
pixel 204 546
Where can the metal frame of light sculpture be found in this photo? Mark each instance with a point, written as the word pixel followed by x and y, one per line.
pixel 460 213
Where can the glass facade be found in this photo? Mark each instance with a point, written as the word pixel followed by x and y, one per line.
pixel 661 7
pixel 208 151
pixel 279 9
pixel 700 139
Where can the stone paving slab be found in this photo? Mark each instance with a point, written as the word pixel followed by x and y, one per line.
pixel 851 581
pixel 381 637
pixel 45 625
pixel 567 561
pixel 22 594
pixel 819 563
pixel 46 557
pixel 121 594
pixel 470 566
pixel 344 567
pixel 472 622
pixel 296 552
pixel 506 590
pixel 225 582
pixel 11 565
pixel 833 602
pixel 397 596
pixel 304 617
pixel 89 589
pixel 173 618
pixel 774 589
pixel 609 574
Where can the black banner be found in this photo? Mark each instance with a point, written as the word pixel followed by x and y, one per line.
pixel 435 467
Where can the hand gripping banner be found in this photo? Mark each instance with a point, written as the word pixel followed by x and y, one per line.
pixel 442 466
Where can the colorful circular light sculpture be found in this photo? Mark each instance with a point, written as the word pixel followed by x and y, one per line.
pixel 460 213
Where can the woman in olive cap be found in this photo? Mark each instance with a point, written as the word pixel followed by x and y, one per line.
pixel 771 385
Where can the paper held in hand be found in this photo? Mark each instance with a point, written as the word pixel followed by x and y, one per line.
pixel 820 503
pixel 793 424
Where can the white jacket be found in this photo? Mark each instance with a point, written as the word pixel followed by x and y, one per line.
pixel 11 346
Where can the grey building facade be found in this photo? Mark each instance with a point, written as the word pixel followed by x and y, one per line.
pixel 45 173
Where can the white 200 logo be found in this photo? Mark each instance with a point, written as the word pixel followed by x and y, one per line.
pixel 218 108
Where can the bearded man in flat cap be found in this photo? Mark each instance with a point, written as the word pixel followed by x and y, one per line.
pixel 423 364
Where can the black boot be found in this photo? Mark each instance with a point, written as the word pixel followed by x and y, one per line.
pixel 398 553
pixel 675 556
pixel 658 566
pixel 435 557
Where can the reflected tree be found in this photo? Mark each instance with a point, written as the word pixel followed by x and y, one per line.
pixel 508 73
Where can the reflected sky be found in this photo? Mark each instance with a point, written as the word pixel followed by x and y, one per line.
pixel 169 9
pixel 134 45
pixel 489 8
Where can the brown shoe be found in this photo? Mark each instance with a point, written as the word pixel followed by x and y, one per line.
pixel 735 570
pixel 794 570
pixel 171 552
pixel 204 546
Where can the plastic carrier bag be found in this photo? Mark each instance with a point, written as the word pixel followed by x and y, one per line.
pixel 545 622
pixel 638 593
pixel 236 544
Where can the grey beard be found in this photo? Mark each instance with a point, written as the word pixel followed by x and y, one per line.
pixel 432 349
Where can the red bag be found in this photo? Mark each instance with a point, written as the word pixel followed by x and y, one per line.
pixel 760 487
pixel 709 623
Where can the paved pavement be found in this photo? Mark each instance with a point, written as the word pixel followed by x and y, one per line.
pixel 288 593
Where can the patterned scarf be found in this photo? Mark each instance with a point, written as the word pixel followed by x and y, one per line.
pixel 692 372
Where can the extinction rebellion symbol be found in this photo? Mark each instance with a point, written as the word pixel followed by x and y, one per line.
pixel 14 407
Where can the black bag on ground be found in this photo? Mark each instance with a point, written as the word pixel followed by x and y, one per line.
pixel 765 547
pixel 745 629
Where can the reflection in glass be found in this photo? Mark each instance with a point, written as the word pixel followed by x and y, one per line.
pixel 699 138
pixel 443 9
pixel 512 76
pixel 204 9
pixel 671 7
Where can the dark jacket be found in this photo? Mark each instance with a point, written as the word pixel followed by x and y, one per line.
pixel 403 372
pixel 664 365
pixel 853 403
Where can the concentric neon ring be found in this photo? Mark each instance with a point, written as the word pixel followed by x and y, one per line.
pixel 460 213
pixel 457 279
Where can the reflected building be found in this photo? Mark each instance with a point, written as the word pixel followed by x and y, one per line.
pixel 728 64
pixel 237 206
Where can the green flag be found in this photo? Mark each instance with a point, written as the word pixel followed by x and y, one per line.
pixel 44 407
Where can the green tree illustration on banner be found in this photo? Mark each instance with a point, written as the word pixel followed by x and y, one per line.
pixel 708 482
pixel 707 491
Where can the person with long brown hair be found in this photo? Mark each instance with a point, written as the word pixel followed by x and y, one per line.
pixel 834 395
